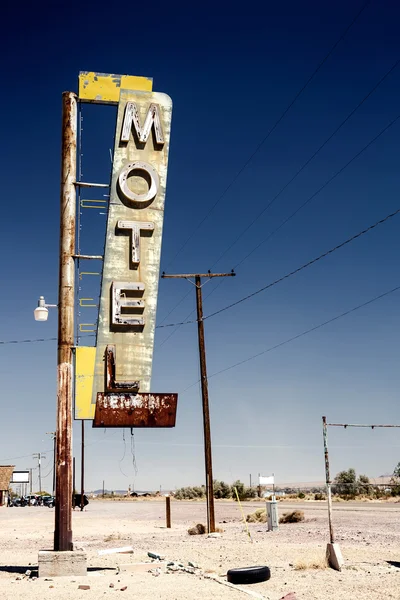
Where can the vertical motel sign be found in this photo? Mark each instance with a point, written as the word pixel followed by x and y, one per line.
pixel 128 301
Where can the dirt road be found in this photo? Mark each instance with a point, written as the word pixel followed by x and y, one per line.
pixel 369 536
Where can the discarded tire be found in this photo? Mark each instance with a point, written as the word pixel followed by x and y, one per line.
pixel 248 575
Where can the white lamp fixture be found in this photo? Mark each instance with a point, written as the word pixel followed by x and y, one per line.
pixel 41 313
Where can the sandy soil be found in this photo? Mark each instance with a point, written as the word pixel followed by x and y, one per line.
pixel 369 536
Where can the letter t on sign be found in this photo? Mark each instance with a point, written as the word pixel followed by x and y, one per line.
pixel 135 227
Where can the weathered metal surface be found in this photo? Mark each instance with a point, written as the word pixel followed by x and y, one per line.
pixel 63 506
pixel 84 370
pixel 112 385
pixel 135 228
pixel 104 88
pixel 328 480
pixel 127 296
pixel 135 410
pixel 128 300
pixel 132 121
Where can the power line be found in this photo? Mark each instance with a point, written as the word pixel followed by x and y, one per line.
pixel 35 340
pixel 266 287
pixel 323 186
pixel 282 116
pixel 309 160
pixel 308 264
pixel 299 335
pixel 294 272
pixel 327 182
pixel 269 285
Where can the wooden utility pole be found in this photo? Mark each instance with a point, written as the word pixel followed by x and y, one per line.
pixel 204 385
pixel 66 307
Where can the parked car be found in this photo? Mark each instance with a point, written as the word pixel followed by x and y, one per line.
pixel 49 501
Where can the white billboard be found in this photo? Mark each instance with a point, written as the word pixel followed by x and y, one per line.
pixel 20 477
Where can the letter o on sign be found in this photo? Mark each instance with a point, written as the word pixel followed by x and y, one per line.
pixel 148 172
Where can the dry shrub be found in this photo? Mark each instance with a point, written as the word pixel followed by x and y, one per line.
pixel 198 529
pixel 292 517
pixel 259 516
pixel 316 562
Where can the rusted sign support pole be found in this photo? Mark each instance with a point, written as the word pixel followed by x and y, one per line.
pixel 328 481
pixel 63 508
pixel 168 511
pixel 204 388
pixel 83 464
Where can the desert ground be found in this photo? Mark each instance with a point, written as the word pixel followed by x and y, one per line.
pixel 368 534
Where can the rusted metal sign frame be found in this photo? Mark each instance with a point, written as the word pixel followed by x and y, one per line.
pixel 135 410
pixel 104 88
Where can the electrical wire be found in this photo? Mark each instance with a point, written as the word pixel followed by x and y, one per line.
pixel 299 335
pixel 308 161
pixel 322 187
pixel 266 287
pixel 306 265
pixel 35 340
pixel 282 116
pixel 294 272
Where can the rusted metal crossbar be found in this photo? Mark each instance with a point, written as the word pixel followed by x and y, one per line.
pixel 352 425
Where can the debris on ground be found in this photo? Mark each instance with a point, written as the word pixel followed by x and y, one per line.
pixel 214 534
pixel 295 516
pixel 84 587
pixel 290 596
pixel 198 529
pixel 155 555
pixel 124 550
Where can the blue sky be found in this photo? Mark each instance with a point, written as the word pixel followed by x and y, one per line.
pixel 230 76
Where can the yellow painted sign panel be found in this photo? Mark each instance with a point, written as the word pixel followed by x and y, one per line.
pixel 105 87
pixel 84 372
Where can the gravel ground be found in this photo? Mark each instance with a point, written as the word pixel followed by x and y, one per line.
pixel 368 533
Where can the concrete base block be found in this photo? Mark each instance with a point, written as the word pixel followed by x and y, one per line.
pixel 334 556
pixel 61 564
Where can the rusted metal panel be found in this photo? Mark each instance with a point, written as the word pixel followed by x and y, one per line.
pixel 135 410
pixel 111 384
pixel 130 277
pixel 104 88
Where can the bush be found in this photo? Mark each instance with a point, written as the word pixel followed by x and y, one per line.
pixel 319 496
pixel 259 516
pixel 292 517
pixel 301 495
pixel 222 489
pixel 190 493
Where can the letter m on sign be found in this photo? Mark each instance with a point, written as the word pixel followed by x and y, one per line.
pixel 132 120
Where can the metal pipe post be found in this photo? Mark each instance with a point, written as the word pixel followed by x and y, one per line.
pixel 206 410
pixel 40 473
pixel 168 511
pixel 66 297
pixel 328 480
pixel 83 464
pixel 54 464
